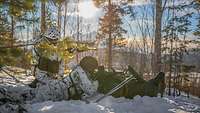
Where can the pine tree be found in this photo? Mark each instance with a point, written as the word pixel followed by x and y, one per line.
pixel 157 42
pixel 175 40
pixel 110 27
pixel 197 7
pixel 14 10
pixel 7 56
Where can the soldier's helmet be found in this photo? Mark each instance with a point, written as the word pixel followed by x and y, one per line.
pixel 89 64
pixel 52 34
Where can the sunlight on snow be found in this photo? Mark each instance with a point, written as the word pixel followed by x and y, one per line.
pixel 46 108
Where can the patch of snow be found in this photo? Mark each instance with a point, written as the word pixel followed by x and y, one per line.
pixel 65 107
pixel 189 105
pixel 138 104
pixel 119 105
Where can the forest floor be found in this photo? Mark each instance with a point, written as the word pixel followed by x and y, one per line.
pixel 167 104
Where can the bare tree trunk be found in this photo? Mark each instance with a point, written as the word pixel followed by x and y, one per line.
pixel 78 22
pixel 65 17
pixel 33 26
pixel 27 36
pixel 152 42
pixel 142 63
pixel 171 54
pixel 175 70
pixel 157 43
pixel 78 25
pixel 109 39
pixel 43 16
pixel 59 17
pixel 12 30
pixel 170 67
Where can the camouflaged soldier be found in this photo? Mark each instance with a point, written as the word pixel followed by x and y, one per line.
pixel 75 86
pixel 48 69
pixel 79 81
pixel 13 99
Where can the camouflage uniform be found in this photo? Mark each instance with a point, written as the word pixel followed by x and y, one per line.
pixel 75 86
pixel 78 82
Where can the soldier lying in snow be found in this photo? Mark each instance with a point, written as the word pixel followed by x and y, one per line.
pixel 76 85
pixel 137 86
pixel 51 67
pixel 80 85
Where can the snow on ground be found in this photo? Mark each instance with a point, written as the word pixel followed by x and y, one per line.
pixel 145 104
pixel 184 104
pixel 121 105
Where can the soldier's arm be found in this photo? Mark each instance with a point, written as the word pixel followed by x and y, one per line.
pixel 86 85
